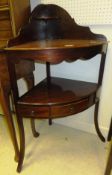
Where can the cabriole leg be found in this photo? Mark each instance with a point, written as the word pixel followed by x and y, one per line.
pixel 22 143
pixel 35 133
pixel 9 120
pixel 30 83
pixel 96 122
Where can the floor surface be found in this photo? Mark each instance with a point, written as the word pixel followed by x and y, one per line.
pixel 59 150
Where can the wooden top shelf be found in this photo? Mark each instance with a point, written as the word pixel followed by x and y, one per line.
pixel 57 44
pixel 56 51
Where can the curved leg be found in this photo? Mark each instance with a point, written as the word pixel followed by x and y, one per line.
pixel 110 132
pixel 9 120
pixel 96 122
pixel 35 133
pixel 22 143
pixel 50 121
pixel 30 83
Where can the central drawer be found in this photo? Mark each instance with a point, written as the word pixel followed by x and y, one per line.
pixel 69 109
pixel 57 111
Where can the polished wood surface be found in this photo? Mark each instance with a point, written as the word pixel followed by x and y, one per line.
pixel 58 91
pixel 52 36
pixel 57 44
pixel 62 96
pixel 47 50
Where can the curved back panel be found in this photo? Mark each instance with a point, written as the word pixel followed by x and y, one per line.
pixel 53 22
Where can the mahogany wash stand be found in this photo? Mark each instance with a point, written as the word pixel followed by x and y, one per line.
pixel 52 36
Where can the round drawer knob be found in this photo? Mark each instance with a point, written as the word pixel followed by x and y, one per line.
pixel 72 109
pixel 32 113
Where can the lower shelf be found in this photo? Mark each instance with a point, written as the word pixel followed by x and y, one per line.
pixel 57 97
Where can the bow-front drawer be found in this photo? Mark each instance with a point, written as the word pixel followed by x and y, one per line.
pixel 69 109
pixel 53 111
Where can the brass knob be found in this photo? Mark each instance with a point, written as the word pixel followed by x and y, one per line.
pixel 72 109
pixel 32 113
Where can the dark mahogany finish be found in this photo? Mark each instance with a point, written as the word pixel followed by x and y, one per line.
pixel 110 131
pixel 52 36
pixel 61 97
pixel 53 22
